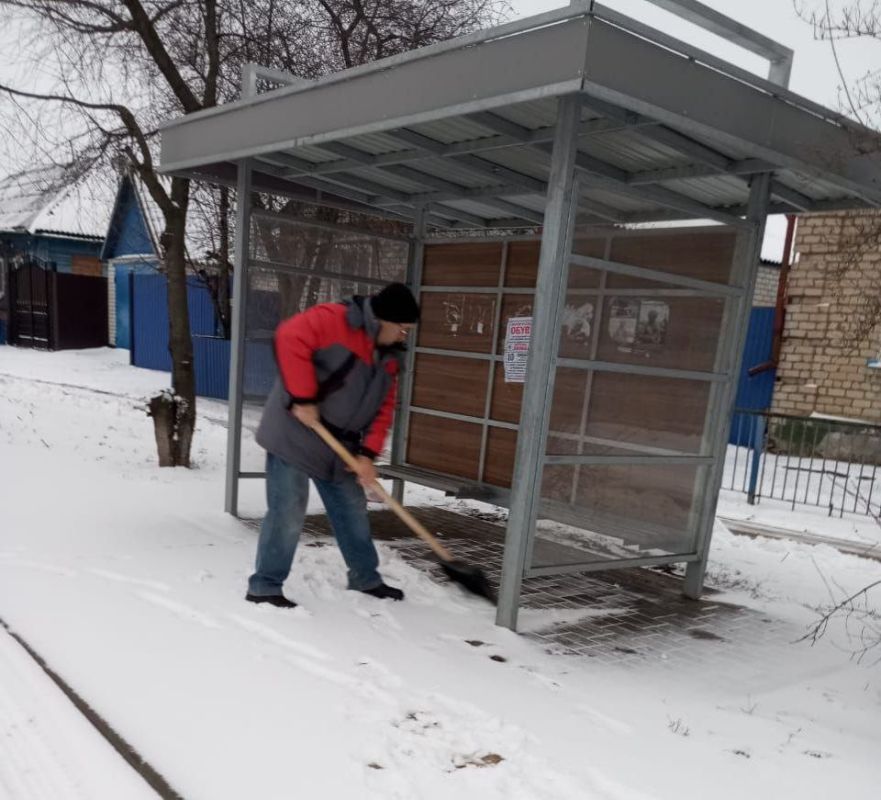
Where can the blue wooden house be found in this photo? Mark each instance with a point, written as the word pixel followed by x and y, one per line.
pixel 139 293
pixel 131 247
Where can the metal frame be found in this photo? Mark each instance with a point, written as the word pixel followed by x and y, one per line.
pixel 401 427
pixel 779 57
pixel 535 144
pixel 237 348
pixel 746 268
pixel 550 294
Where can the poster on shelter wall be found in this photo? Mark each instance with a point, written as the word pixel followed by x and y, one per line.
pixel 468 315
pixel 638 326
pixel 517 333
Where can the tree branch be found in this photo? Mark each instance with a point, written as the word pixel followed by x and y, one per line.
pixel 145 28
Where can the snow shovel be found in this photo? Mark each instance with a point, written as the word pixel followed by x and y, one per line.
pixel 472 578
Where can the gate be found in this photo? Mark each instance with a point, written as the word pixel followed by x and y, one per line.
pixel 56 311
pixel 30 323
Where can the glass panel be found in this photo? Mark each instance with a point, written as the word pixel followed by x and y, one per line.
pixel 444 445
pixel 705 253
pixel 507 398
pixel 670 332
pixel 452 384
pixel 465 264
pixel 274 293
pixel 513 305
pixel 578 324
pixel 606 513
pixel 457 321
pixel 589 243
pixel 501 447
pixel 521 268
pixel 614 414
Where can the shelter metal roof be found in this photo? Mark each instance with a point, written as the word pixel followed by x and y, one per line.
pixel 465 129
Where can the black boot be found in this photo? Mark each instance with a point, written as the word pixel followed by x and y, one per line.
pixel 278 600
pixel 384 592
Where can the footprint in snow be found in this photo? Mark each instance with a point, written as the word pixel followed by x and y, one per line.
pixel 380 619
pixel 380 673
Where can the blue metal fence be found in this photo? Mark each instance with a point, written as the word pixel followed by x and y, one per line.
pixel 149 346
pixel 211 353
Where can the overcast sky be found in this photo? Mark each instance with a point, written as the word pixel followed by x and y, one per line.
pixel 814 73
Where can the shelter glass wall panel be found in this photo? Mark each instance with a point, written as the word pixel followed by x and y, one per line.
pixel 632 410
pixel 601 514
pixel 632 392
pixel 457 321
pixel 610 413
pixel 294 265
pixel 448 446
pixel 450 384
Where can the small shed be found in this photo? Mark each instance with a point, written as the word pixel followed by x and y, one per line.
pixel 572 364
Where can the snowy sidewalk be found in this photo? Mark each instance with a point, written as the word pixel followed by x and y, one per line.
pixel 128 581
pixel 48 750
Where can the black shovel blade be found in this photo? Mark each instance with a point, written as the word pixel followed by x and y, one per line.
pixel 472 578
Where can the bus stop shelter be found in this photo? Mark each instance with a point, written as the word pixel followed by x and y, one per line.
pixel 545 187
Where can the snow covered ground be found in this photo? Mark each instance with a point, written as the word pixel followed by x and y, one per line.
pixel 128 581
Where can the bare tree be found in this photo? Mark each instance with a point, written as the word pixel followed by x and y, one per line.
pixel 122 66
pixel 857 234
pixel 853 243
pixel 861 620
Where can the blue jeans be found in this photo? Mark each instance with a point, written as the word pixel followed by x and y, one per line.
pixel 287 495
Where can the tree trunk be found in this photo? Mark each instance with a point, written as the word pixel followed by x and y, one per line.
pixel 174 416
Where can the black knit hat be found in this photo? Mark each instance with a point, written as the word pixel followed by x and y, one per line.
pixel 395 303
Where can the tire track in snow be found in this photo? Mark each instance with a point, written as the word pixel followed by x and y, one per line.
pixel 128 579
pixel 180 610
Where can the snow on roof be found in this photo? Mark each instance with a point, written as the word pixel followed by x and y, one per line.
pixel 49 200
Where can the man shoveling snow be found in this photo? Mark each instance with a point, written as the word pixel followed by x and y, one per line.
pixel 338 363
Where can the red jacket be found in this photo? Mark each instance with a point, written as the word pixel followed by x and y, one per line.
pixel 328 355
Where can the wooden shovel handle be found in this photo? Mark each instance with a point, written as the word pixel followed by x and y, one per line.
pixel 409 520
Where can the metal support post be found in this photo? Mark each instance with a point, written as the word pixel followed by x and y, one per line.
pixel 758 450
pixel 550 295
pixel 237 343
pixel 746 265
pixel 405 385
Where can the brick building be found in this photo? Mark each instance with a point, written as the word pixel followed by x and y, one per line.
pixel 829 360
pixel 765 294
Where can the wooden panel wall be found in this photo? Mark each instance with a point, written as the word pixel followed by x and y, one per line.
pixel 444 445
pixel 626 409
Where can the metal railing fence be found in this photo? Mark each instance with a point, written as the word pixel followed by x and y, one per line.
pixel 808 461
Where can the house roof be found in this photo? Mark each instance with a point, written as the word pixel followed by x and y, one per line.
pixel 131 189
pixel 465 128
pixel 49 200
